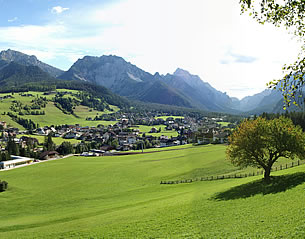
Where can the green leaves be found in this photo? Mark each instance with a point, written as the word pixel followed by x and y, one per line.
pixel 290 14
pixel 261 142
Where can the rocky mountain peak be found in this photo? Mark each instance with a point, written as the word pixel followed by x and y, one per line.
pixel 11 55
pixel 182 73
pixel 27 60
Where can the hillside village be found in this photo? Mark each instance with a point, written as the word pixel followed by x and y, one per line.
pixel 125 135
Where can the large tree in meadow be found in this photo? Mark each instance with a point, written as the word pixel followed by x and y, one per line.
pixel 260 143
pixel 289 14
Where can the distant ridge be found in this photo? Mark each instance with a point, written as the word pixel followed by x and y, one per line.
pixel 181 88
pixel 23 59
pixel 126 79
pixel 15 74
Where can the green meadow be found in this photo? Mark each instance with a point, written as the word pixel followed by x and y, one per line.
pixel 165 117
pixel 223 124
pixel 169 133
pixel 121 197
pixel 53 115
pixel 56 140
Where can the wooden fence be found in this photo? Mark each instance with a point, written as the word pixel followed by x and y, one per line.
pixel 236 175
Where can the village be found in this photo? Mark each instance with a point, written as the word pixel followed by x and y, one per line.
pixel 124 136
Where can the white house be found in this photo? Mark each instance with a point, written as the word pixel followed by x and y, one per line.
pixel 15 162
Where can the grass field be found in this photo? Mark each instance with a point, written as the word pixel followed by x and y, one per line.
pixel 56 140
pixel 165 117
pixel 224 124
pixel 53 115
pixel 121 197
pixel 145 129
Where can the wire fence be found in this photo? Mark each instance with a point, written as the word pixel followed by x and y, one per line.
pixel 236 175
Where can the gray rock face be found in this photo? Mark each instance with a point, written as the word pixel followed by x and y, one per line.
pixel 264 101
pixel 180 88
pixel 23 59
pixel 125 79
pixel 201 93
pixel 110 71
pixel 128 80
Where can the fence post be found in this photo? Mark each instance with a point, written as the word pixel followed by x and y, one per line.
pixel 292 164
pixel 281 167
pixel 286 165
pixel 298 162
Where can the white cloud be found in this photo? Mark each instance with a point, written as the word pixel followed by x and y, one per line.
pixel 196 35
pixel 13 19
pixel 59 9
pixel 159 35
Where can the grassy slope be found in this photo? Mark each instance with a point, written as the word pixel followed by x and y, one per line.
pixel 165 117
pixel 120 197
pixel 223 123
pixel 56 140
pixel 145 129
pixel 53 116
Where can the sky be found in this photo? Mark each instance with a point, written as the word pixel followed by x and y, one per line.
pixel 208 38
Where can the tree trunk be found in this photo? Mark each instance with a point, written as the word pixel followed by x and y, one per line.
pixel 267 174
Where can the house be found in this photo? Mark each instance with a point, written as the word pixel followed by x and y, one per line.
pixel 107 148
pixel 169 127
pixel 124 121
pixel 17 160
pixel 131 139
pixel 29 140
pixel 122 140
pixel 40 131
pixel 97 152
pixel 71 135
pixel 166 143
pixel 49 155
pixel 3 123
pixel 90 154
pixel 153 130
pixel 125 147
pixel 220 137
pixel 162 137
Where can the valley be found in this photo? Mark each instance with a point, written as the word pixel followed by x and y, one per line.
pixel 152 119
pixel 121 196
pixel 180 89
pixel 118 154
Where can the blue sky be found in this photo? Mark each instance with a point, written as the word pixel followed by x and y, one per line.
pixel 40 12
pixel 208 38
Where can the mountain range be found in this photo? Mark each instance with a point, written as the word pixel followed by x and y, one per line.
pixel 125 79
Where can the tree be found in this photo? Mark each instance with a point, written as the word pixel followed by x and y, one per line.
pixel 291 15
pixel 114 143
pixel 260 143
pixel 65 148
pixel 12 147
pixel 48 143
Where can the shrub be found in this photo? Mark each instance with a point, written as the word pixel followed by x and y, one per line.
pixel 3 186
